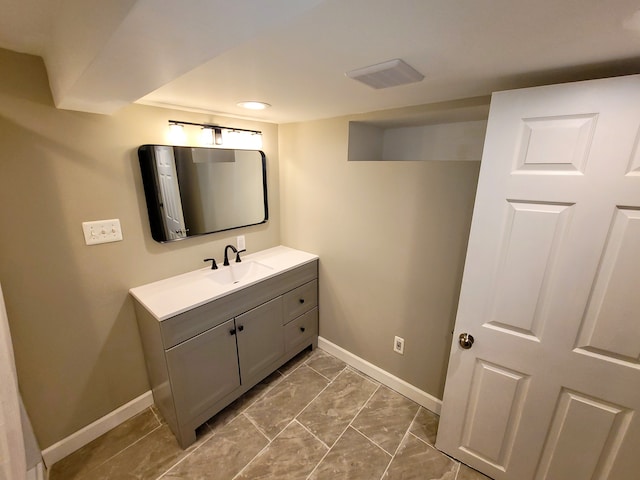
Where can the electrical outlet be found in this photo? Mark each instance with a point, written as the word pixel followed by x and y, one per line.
pixel 240 242
pixel 398 345
pixel 102 231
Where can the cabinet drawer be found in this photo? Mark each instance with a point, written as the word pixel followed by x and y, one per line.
pixel 301 329
pixel 300 300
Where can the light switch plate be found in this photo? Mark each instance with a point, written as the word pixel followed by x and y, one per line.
pixel 102 231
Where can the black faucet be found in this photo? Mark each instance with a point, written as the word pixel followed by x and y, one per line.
pixel 214 265
pixel 226 254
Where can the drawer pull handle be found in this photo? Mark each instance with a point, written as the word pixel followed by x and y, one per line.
pixel 232 331
pixel 302 329
pixel 301 300
pixel 241 328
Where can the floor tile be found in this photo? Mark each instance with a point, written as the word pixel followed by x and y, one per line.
pixel 325 364
pixel 281 429
pixel 146 459
pixel 425 426
pixel 104 447
pixel 287 399
pixel 353 457
pixel 296 361
pixel 417 460
pixel 224 454
pixel 157 413
pixel 467 473
pixel 238 406
pixel 386 418
pixel 292 455
pixel 330 413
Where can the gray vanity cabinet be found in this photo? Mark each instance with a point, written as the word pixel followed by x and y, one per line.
pixel 201 360
pixel 204 369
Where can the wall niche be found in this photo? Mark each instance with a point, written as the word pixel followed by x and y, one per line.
pixel 451 131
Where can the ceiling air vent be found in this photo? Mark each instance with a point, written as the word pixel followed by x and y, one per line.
pixel 387 74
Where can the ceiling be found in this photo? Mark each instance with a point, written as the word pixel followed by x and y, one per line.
pixel 207 55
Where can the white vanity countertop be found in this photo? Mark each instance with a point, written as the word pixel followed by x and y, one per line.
pixel 171 296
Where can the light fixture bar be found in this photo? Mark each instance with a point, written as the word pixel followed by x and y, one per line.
pixel 215 135
pixel 208 125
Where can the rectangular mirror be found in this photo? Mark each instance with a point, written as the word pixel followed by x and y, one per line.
pixel 195 190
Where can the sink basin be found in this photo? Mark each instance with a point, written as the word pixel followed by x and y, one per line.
pixel 238 272
pixel 172 296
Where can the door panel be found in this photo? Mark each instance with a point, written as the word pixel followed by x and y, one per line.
pixel 608 328
pixel 549 290
pixel 634 164
pixel 584 437
pixel 490 420
pixel 557 144
pixel 532 233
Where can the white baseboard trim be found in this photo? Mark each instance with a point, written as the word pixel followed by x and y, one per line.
pixel 79 439
pixel 419 396
pixel 37 472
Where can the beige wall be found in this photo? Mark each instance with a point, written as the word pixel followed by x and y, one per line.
pixel 391 237
pixel 75 336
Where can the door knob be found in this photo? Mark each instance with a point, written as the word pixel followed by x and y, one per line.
pixel 465 340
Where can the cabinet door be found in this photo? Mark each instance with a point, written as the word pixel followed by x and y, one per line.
pixel 203 369
pixel 260 339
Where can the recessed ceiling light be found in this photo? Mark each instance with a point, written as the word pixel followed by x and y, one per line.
pixel 251 105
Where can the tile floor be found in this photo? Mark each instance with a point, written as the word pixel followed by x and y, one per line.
pixel 314 418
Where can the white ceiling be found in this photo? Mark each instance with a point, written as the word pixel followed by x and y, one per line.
pixel 207 55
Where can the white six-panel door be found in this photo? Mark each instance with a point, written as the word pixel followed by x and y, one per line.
pixel 550 388
pixel 170 200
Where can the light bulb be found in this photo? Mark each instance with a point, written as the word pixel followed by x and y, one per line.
pixel 176 134
pixel 206 137
pixel 255 141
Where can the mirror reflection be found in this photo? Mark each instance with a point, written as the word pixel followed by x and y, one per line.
pixel 193 190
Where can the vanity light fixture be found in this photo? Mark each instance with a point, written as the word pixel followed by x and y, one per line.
pixel 253 105
pixel 216 135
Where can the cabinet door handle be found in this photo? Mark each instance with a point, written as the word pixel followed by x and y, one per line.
pixel 232 331
pixel 241 328
pixel 302 329
pixel 301 300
